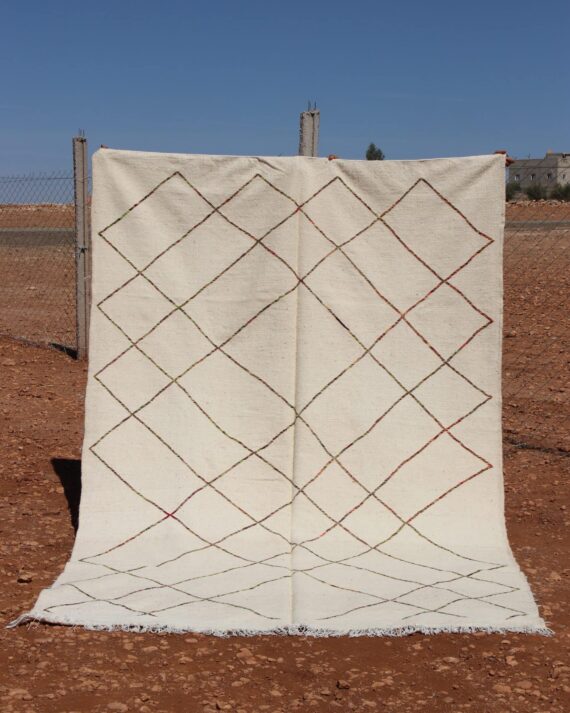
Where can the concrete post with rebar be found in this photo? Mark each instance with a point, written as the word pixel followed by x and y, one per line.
pixel 309 132
pixel 82 244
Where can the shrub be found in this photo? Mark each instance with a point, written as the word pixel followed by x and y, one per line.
pixel 561 193
pixel 512 189
pixel 536 192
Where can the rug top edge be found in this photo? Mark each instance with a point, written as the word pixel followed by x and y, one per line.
pixel 106 151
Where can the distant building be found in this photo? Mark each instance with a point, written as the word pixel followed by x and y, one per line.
pixel 553 169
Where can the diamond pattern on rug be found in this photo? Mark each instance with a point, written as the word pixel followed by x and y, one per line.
pixel 383 258
pixel 273 281
pixel 446 320
pixel 351 406
pixel 277 207
pixel 336 281
pixel 400 348
pixel 341 386
pixel 176 329
pixel 328 207
pixel 363 402
pixel 162 205
pixel 214 242
pixel 135 309
pixel 429 476
pixel 422 212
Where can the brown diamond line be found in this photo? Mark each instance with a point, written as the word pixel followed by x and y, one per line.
pixel 258 241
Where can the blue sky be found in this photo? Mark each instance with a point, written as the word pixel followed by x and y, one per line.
pixel 420 79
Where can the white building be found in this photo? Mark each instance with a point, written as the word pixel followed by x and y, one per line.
pixel 553 169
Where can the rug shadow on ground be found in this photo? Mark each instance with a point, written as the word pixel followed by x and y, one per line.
pixel 68 470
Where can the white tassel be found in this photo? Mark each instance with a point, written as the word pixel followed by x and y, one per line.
pixel 285 630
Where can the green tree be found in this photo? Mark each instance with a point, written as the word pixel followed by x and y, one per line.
pixel 373 153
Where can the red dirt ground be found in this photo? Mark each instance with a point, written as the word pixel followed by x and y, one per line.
pixel 37 215
pixel 55 669
pixel 538 210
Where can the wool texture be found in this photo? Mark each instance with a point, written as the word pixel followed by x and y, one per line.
pixel 293 410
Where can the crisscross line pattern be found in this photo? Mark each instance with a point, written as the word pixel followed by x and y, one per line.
pixel 293 408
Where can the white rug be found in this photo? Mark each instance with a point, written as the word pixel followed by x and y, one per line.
pixel 294 399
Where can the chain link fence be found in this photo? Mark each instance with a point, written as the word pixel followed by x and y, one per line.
pixel 37 259
pixel 536 346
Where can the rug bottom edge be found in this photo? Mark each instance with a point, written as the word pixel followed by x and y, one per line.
pixel 538 627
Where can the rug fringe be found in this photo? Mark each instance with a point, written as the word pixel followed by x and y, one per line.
pixel 22 619
pixel 300 630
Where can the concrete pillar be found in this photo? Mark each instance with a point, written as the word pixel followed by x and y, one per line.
pixel 309 132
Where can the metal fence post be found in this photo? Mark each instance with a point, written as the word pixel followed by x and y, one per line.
pixel 309 132
pixel 82 244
